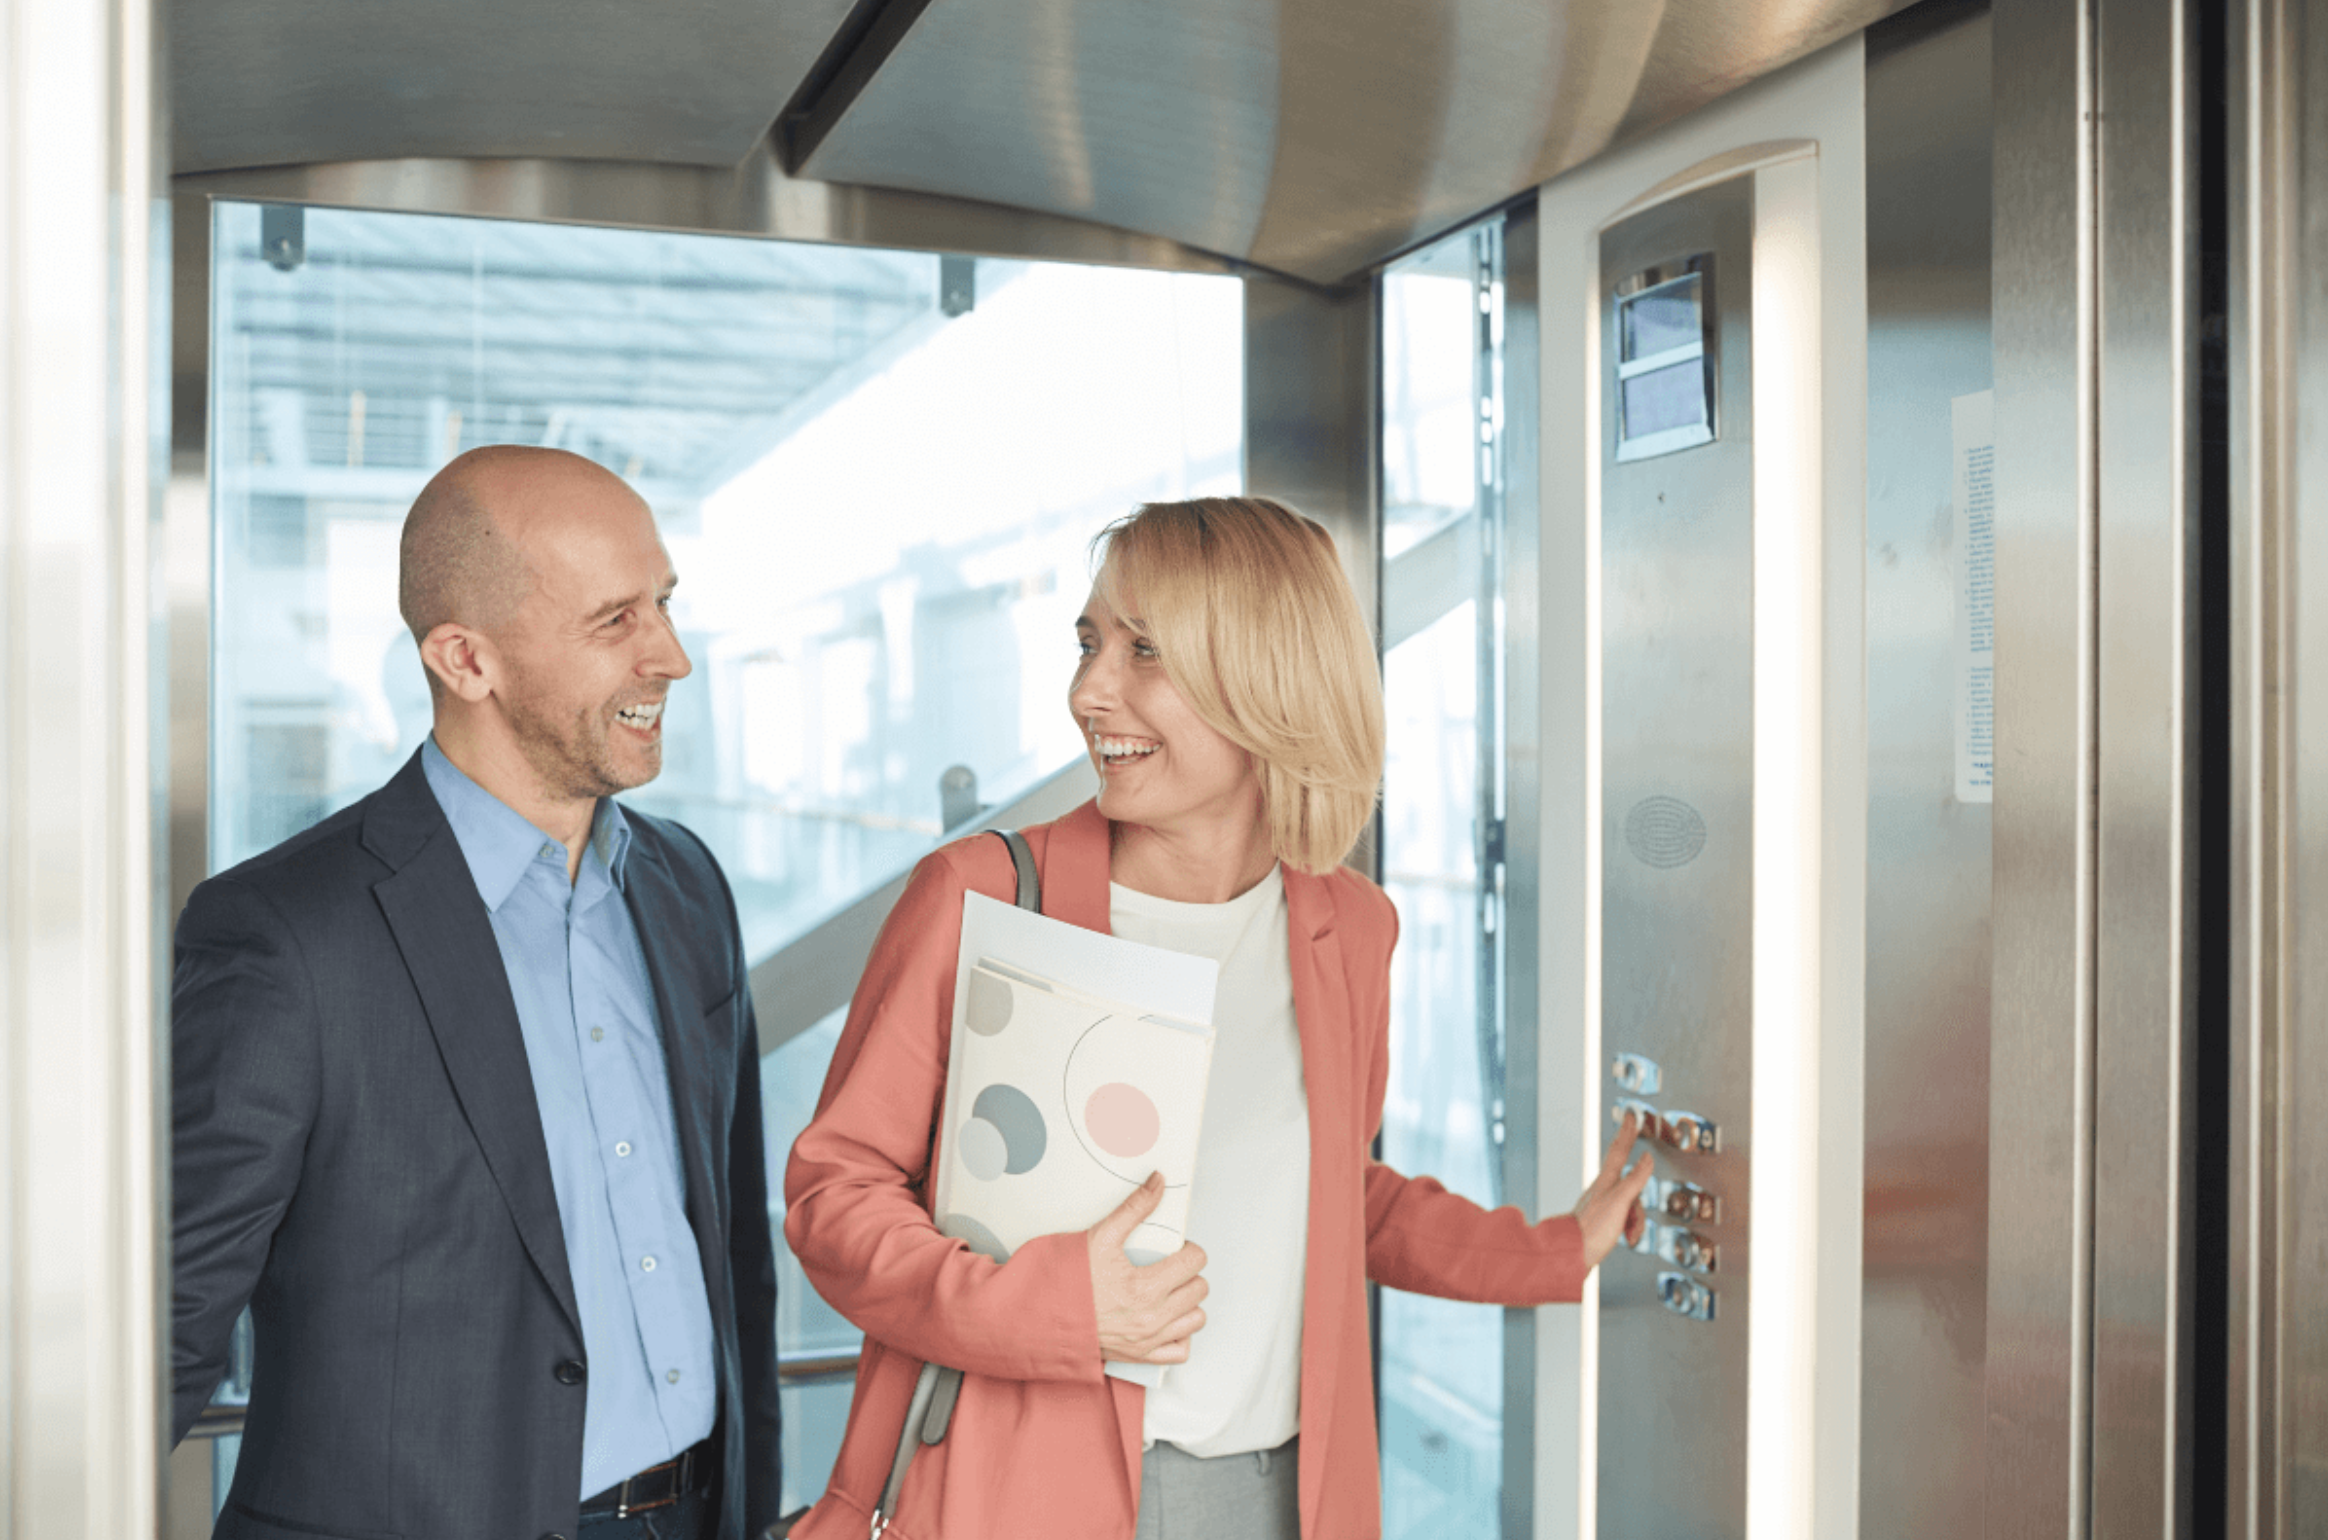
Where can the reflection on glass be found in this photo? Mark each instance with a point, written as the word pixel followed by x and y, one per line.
pixel 879 505
pixel 814 1410
pixel 878 510
pixel 1664 399
pixel 1661 319
pixel 1430 422
pixel 1442 1362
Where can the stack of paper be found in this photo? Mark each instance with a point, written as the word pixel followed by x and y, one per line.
pixel 1079 1065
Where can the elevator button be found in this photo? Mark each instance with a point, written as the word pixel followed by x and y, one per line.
pixel 1684 1295
pixel 1683 1131
pixel 1684 1201
pixel 1688 1249
pixel 1652 1123
pixel 1636 1073
pixel 1691 1134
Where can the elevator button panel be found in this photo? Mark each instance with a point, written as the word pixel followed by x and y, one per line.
pixel 1635 1073
pixel 1685 1296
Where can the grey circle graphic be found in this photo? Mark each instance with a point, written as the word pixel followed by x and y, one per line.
pixel 1664 832
pixel 980 1239
pixel 990 1002
pixel 1013 1114
pixel 983 1149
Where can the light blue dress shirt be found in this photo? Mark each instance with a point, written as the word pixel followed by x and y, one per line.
pixel 586 1008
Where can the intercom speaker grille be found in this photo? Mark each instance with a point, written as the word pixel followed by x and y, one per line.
pixel 1664 832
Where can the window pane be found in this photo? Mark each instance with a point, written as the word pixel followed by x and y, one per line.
pixel 879 510
pixel 1442 1361
pixel 878 498
pixel 1430 425
pixel 814 1410
pixel 1662 399
pixel 1663 318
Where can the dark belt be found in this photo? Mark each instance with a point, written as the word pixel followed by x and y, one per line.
pixel 658 1486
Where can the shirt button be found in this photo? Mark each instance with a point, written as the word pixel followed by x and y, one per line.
pixel 646 1264
pixel 673 1376
pixel 622 1147
pixel 549 852
pixel 598 1034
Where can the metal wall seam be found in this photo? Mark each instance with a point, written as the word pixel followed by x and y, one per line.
pixel 2261 195
pixel 2262 218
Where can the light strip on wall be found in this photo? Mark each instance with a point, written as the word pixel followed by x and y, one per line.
pixel 1788 647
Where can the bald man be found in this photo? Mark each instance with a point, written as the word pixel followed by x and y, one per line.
pixel 466 1085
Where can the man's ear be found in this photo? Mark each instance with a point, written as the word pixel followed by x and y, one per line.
pixel 461 660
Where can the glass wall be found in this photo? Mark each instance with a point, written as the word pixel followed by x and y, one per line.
pixel 1443 1362
pixel 877 473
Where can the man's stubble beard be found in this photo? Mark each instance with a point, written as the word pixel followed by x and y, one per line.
pixel 573 758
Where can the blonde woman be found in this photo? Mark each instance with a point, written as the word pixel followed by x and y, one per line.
pixel 1229 696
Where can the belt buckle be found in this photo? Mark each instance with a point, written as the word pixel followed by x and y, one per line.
pixel 624 1507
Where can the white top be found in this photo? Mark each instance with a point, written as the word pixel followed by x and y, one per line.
pixel 1240 1389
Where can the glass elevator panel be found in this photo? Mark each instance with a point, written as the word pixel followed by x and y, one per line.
pixel 1446 1431
pixel 1677 577
pixel 877 473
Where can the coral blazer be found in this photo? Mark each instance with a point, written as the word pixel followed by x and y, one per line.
pixel 1042 1443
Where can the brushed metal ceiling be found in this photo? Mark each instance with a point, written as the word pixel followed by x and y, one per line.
pixel 697 82
pixel 1313 137
pixel 1310 136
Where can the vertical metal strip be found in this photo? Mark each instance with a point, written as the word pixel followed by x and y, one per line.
pixel 2262 199
pixel 2041 1130
pixel 2139 1191
pixel 1523 833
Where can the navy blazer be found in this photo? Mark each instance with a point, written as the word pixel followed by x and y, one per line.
pixel 358 1157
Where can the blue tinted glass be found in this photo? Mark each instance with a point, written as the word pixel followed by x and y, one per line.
pixel 1666 317
pixel 878 511
pixel 1663 399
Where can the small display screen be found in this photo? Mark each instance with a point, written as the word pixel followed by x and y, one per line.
pixel 1664 318
pixel 1664 399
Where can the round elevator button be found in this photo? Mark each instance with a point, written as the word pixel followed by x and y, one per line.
pixel 568 1372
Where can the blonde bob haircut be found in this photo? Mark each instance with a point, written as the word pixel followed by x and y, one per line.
pixel 1260 633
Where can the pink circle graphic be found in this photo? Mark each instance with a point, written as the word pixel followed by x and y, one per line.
pixel 1122 1120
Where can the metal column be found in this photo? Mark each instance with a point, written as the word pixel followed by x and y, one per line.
pixel 81 962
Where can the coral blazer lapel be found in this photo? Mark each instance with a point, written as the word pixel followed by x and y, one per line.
pixel 1321 1010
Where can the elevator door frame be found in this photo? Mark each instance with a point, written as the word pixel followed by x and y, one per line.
pixel 1801 131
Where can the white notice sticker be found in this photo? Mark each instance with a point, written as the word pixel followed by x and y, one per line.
pixel 1976 597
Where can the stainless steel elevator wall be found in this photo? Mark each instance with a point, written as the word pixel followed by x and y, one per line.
pixel 1677 576
pixel 1928 941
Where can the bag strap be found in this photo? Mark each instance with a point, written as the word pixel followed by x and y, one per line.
pixel 931 1411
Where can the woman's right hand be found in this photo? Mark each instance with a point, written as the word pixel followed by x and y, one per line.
pixel 1146 1314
